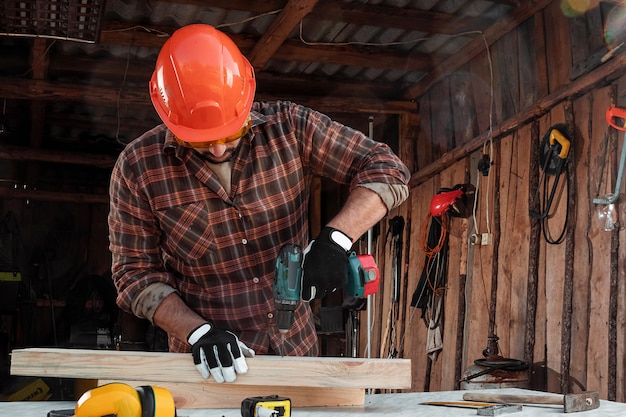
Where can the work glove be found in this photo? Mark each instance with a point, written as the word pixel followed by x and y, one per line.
pixel 218 352
pixel 325 266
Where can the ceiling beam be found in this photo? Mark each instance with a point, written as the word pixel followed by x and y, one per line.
pixel 396 17
pixel 26 89
pixel 115 33
pixel 367 57
pixel 139 72
pixel 292 14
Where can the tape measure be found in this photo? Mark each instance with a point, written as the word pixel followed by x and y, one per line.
pixel 268 406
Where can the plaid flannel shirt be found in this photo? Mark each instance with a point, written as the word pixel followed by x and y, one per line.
pixel 172 222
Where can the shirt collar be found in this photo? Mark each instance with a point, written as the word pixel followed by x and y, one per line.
pixel 257 118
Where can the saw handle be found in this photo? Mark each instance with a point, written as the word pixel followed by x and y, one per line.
pixel 557 137
pixel 615 114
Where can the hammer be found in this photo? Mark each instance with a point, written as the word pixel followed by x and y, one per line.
pixel 571 403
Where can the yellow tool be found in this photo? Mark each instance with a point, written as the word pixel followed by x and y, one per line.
pixel 554 153
pixel 268 406
pixel 121 400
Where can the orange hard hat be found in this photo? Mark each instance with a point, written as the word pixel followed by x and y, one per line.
pixel 202 86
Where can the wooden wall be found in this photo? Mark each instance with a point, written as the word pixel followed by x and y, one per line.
pixel 559 307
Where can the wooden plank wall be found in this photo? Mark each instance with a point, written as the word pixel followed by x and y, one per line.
pixel 560 307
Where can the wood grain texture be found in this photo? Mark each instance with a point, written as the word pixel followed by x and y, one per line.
pixel 202 395
pixel 178 367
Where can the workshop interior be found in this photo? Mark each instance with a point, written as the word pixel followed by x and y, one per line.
pixel 503 269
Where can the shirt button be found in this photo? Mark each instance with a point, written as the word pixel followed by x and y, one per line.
pixel 244 241
pixel 270 315
pixel 255 280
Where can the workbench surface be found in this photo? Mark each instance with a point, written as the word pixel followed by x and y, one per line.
pixel 396 405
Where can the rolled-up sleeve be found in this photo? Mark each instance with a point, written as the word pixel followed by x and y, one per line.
pixel 348 156
pixel 133 238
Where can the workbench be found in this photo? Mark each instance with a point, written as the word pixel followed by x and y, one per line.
pixel 396 405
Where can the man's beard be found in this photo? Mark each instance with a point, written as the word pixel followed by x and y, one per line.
pixel 227 157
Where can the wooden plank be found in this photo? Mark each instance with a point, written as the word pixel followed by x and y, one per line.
pixel 602 76
pixel 481 92
pixel 477 46
pixel 599 279
pixel 506 77
pixel 425 156
pixel 463 107
pixel 559 56
pixel 514 244
pixel 554 265
pixel 21 88
pixel 621 290
pixel 585 147
pixel 480 268
pixel 534 337
pixel 178 367
pixel 442 133
pixel 527 62
pixel 445 371
pixel 414 328
pixel 292 13
pixel 201 395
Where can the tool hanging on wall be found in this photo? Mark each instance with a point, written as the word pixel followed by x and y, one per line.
pixel 396 229
pixel 428 296
pixel 616 117
pixel 395 238
pixel 553 156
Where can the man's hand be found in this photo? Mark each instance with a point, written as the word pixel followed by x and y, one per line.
pixel 219 353
pixel 325 266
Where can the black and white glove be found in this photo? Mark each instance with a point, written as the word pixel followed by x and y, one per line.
pixel 218 352
pixel 325 266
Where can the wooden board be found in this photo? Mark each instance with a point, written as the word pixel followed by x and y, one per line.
pixel 178 367
pixel 202 395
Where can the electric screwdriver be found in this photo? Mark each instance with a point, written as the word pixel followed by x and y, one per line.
pixel 287 285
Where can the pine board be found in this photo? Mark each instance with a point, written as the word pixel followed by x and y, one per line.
pixel 178 367
pixel 202 395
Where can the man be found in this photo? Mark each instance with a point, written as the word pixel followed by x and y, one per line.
pixel 201 205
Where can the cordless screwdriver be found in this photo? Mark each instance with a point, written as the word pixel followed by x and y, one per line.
pixel 287 286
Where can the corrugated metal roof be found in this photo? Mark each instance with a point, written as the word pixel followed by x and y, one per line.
pixel 356 51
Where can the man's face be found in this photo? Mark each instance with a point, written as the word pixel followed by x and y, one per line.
pixel 222 152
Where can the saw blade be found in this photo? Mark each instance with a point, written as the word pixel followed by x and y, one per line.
pixel 462 404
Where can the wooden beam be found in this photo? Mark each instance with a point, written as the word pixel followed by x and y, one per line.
pixel 178 367
pixel 19 88
pixel 276 82
pixel 201 395
pixel 292 14
pixel 361 56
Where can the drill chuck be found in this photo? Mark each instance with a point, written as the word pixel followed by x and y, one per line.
pixel 285 314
